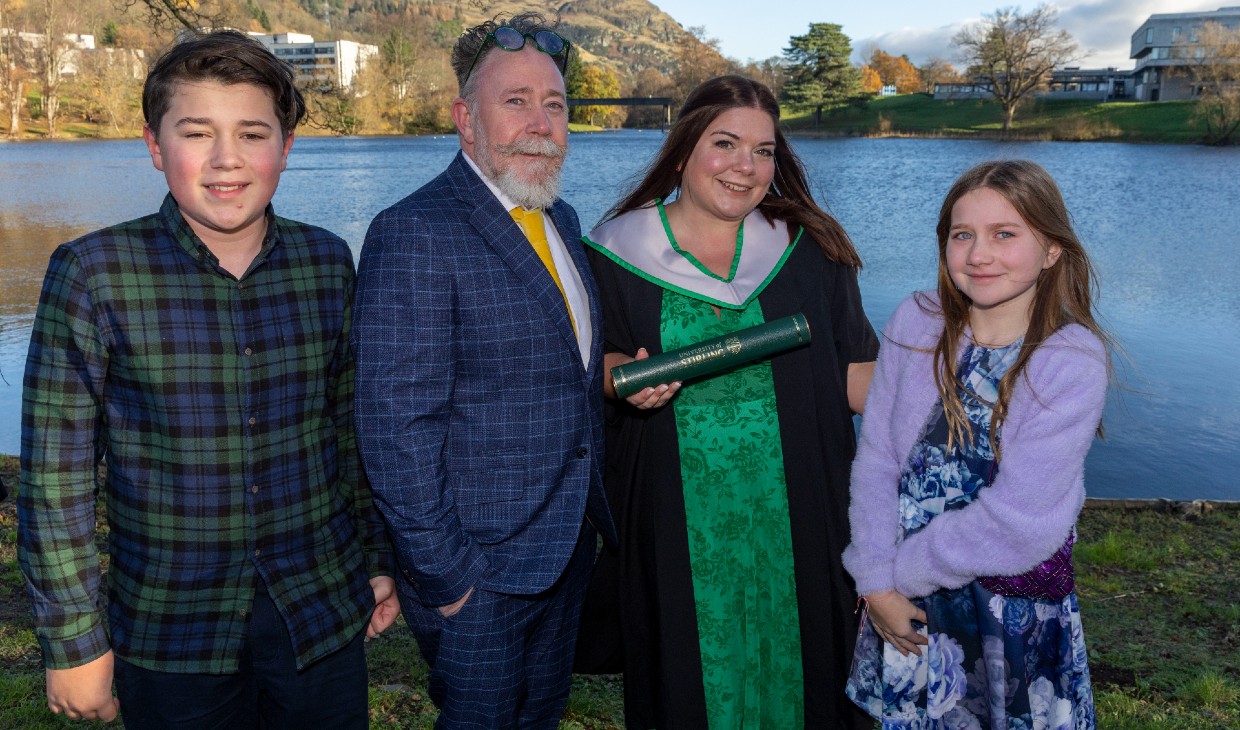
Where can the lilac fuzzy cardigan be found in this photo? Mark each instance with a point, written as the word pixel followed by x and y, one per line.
pixel 1029 510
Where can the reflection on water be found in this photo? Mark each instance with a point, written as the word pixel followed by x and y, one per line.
pixel 1161 223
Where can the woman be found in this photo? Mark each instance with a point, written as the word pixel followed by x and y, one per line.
pixel 730 491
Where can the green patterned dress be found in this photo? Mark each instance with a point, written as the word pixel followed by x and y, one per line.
pixel 740 544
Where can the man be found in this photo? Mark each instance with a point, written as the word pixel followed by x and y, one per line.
pixel 479 394
pixel 203 353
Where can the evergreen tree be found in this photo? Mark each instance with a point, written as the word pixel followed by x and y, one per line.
pixel 819 70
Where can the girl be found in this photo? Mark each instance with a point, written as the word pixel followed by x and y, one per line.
pixel 970 472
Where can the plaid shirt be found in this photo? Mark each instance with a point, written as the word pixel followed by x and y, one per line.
pixel 224 411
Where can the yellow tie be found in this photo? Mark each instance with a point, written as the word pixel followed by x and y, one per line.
pixel 531 221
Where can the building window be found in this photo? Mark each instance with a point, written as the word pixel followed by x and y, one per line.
pixel 1149 35
pixel 1175 33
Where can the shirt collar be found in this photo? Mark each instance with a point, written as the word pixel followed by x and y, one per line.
pixel 189 241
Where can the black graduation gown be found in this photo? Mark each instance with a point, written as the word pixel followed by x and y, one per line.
pixel 640 616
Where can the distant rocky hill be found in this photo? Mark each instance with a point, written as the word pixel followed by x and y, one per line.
pixel 625 36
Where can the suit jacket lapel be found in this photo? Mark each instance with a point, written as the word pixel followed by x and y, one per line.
pixel 497 228
pixel 570 233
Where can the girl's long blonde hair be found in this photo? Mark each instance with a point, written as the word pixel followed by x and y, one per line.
pixel 1063 293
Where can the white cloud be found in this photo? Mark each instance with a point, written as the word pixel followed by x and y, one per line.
pixel 919 44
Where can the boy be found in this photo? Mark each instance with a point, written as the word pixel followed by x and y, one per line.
pixel 202 352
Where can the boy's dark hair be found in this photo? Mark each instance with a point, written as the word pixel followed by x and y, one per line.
pixel 227 57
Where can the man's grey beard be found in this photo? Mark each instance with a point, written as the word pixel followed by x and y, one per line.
pixel 527 194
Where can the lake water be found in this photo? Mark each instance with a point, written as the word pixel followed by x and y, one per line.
pixel 1162 224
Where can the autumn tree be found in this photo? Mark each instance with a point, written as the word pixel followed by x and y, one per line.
pixel 109 85
pixel 936 71
pixel 1214 68
pixel 596 82
pixel 896 71
pixel 819 71
pixel 870 80
pixel 697 59
pixel 1015 53
pixel 399 71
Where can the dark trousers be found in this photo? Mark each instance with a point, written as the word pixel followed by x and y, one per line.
pixel 504 661
pixel 268 692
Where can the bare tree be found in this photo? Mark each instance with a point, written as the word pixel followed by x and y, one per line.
pixel 188 14
pixel 12 75
pixel 936 71
pixel 52 54
pixel 770 72
pixel 697 59
pixel 332 108
pixel 1214 67
pixel 109 84
pixel 1015 53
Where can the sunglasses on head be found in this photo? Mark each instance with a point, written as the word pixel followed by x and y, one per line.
pixel 511 39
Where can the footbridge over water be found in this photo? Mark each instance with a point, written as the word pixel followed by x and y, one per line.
pixel 663 101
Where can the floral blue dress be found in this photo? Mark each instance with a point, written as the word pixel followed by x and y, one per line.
pixel 993 662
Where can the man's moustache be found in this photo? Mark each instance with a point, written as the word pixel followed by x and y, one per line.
pixel 546 148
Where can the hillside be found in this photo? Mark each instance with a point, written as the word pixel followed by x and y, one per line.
pixel 624 36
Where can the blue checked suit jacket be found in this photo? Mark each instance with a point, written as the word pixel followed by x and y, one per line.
pixel 480 429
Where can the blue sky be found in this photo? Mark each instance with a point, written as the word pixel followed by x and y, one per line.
pixel 759 29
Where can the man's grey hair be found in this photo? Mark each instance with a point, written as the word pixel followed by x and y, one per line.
pixel 467 46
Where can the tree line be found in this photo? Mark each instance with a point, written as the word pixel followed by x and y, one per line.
pixel 408 87
pixel 1010 53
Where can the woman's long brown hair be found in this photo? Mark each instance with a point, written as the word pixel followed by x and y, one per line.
pixel 788 198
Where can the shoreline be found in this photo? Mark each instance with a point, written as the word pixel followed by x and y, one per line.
pixel 1164 504
pixel 789 132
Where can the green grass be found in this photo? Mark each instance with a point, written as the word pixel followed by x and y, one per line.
pixel 1159 593
pixel 1041 119
pixel 1160 599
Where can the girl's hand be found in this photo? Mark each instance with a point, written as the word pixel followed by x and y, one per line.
pixel 893 615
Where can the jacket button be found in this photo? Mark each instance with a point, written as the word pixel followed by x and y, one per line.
pixel 581 453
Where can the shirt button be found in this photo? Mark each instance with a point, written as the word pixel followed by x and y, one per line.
pixel 242 612
pixel 248 351
pixel 254 489
pixel 252 420
pixel 581 453
pixel 258 552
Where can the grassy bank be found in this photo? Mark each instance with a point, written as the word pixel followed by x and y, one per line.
pixel 919 115
pixel 913 115
pixel 1160 595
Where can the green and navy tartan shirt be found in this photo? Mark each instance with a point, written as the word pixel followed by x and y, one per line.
pixel 223 410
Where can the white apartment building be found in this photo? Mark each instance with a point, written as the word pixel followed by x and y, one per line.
pixel 336 62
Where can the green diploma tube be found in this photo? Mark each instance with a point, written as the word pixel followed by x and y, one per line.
pixel 712 356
